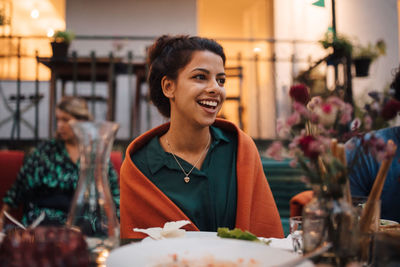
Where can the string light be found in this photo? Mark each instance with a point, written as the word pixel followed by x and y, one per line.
pixel 35 13
pixel 50 32
pixel 256 50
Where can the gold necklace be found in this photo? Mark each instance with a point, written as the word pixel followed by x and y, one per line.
pixel 187 178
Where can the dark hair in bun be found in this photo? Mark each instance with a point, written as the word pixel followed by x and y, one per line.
pixel 167 56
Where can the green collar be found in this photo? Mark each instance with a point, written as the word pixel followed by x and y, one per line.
pixel 158 158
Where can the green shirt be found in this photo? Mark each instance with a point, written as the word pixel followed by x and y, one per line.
pixel 47 182
pixel 209 199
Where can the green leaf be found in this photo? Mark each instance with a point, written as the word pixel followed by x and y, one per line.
pixel 236 234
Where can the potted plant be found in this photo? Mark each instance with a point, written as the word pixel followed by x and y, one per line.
pixel 340 44
pixel 61 42
pixel 363 56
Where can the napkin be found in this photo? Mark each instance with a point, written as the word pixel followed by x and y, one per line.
pixel 170 229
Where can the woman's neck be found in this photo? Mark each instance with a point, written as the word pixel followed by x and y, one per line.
pixel 187 139
pixel 73 150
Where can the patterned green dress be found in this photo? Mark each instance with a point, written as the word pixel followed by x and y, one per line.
pixel 47 181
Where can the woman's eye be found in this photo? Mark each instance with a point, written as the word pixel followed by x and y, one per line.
pixel 200 77
pixel 221 81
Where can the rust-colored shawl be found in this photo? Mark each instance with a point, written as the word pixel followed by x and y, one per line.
pixel 143 205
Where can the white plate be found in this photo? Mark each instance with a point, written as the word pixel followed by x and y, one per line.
pixel 148 254
pixel 191 234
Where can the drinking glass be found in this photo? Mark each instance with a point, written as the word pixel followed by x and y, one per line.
pixel 359 203
pixel 296 232
pixel 386 249
pixel 367 231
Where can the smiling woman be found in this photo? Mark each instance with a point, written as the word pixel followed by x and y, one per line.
pixel 195 167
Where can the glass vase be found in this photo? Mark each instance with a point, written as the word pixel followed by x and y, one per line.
pixel 92 209
pixel 329 218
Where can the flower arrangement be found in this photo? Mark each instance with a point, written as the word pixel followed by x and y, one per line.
pixel 380 111
pixel 317 130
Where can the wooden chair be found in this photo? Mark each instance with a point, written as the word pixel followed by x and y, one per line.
pixel 298 201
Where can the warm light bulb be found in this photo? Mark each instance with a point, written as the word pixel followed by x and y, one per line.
pixel 35 13
pixel 256 50
pixel 50 32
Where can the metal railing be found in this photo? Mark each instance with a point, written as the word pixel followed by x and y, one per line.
pixel 123 51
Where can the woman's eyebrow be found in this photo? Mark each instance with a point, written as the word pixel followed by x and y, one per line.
pixel 201 69
pixel 207 71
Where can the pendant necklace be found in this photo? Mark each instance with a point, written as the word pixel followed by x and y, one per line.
pixel 187 178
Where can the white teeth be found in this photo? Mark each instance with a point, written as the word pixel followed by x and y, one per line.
pixel 209 103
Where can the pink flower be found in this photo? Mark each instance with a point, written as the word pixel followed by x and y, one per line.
pixel 355 124
pixel 282 129
pixel 367 122
pixel 300 93
pixel 326 108
pixel 336 101
pixel 293 119
pixel 301 109
pixel 376 146
pixel 275 151
pixel 326 113
pixel 310 146
pixel 293 163
pixel 346 114
pixel 314 118
pixel 315 101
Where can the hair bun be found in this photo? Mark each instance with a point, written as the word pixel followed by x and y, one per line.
pixel 161 44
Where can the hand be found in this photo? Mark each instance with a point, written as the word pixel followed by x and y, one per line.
pixel 2 216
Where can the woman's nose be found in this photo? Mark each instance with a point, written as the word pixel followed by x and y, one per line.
pixel 214 87
pixel 60 124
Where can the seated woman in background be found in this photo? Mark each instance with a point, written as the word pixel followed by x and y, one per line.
pixel 195 167
pixel 367 167
pixel 49 176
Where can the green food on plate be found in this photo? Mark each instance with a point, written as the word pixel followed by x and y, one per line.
pixel 236 233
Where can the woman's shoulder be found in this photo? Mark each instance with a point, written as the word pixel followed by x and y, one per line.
pixel 145 138
pixel 243 139
pixel 49 144
pixel 390 133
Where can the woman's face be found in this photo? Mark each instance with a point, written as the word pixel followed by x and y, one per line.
pixel 64 130
pixel 196 96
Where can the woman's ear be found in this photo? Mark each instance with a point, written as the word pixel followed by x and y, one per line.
pixel 168 87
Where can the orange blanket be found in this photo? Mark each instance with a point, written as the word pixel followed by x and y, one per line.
pixel 143 205
pixel 299 201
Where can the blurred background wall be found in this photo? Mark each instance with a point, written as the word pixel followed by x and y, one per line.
pixel 272 40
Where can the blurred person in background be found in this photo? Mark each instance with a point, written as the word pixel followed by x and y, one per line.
pixel 48 178
pixel 366 167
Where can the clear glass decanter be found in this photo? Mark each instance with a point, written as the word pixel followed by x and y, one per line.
pixel 329 218
pixel 92 209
